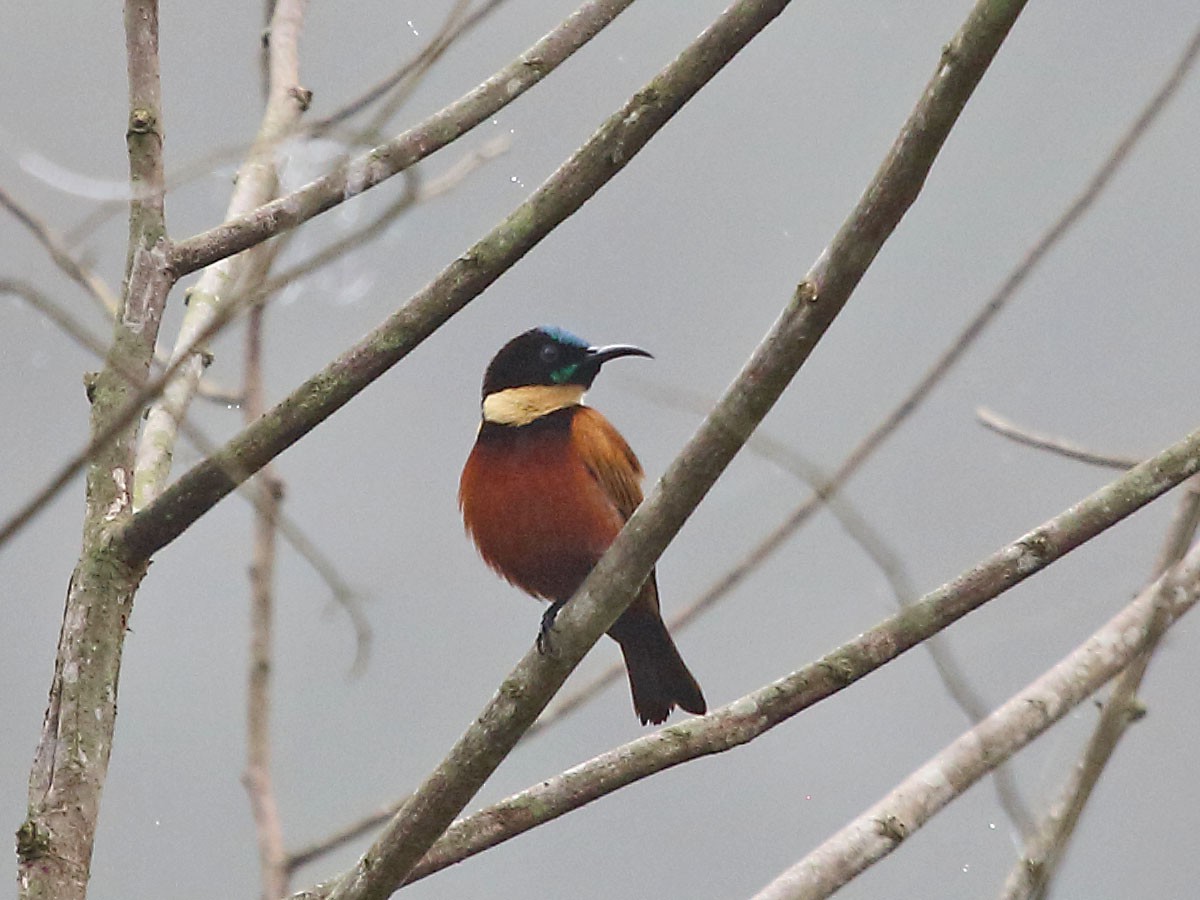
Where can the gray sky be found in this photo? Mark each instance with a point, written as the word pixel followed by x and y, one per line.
pixel 689 252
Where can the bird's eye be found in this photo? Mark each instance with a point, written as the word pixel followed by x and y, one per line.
pixel 549 353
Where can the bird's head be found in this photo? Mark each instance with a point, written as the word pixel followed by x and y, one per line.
pixel 542 370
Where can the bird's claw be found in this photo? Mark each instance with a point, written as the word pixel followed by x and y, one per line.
pixel 544 644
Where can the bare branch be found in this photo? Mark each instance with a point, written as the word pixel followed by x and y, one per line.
pixel 257 777
pixel 56 313
pixel 342 836
pixel 883 827
pixel 228 155
pixel 1061 446
pixel 180 176
pixel 748 717
pixel 1045 848
pixel 117 422
pixel 457 23
pixel 365 172
pixel 1046 845
pixel 54 844
pixel 879 435
pixel 414 193
pixel 341 591
pixel 256 184
pixel 866 448
pixel 92 285
pixel 869 540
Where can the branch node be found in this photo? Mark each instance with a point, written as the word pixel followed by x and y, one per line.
pixel 302 96
pixel 33 841
pixel 537 65
pixel 892 828
pixel 141 121
pixel 90 380
pixel 1136 710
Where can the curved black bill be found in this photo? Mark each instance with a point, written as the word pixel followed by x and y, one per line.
pixel 601 355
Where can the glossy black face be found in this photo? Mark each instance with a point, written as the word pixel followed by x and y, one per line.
pixel 549 356
pixel 540 356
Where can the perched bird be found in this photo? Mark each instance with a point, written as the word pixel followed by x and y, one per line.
pixel 547 487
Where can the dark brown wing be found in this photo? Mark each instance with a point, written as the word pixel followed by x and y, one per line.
pixel 658 677
pixel 609 458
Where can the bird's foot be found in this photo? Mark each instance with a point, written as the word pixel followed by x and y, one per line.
pixel 544 644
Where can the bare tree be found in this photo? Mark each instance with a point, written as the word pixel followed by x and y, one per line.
pixel 143 402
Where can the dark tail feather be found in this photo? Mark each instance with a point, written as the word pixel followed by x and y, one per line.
pixel 658 677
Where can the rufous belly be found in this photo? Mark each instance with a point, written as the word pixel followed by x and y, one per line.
pixel 535 511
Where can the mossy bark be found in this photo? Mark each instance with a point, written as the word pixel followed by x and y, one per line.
pixel 54 843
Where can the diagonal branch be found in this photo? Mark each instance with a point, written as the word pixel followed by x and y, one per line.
pixel 1044 849
pixel 81 274
pixel 771 367
pixel 887 824
pixel 1048 240
pixel 56 313
pixel 92 284
pixel 404 80
pixel 256 183
pixel 415 192
pixel 953 676
pixel 1039 441
pixel 386 160
pixel 899 414
pixel 748 717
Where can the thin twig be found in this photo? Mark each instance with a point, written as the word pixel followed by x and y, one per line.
pixel 928 790
pixel 281 113
pixel 257 776
pixel 181 176
pixel 395 98
pixel 389 159
pixel 92 284
pixel 867 447
pixel 1045 847
pixel 415 192
pixel 456 24
pixel 256 184
pixel 56 313
pixel 951 673
pixel 340 589
pixel 309 852
pixel 229 155
pixel 134 404
pixel 1061 446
